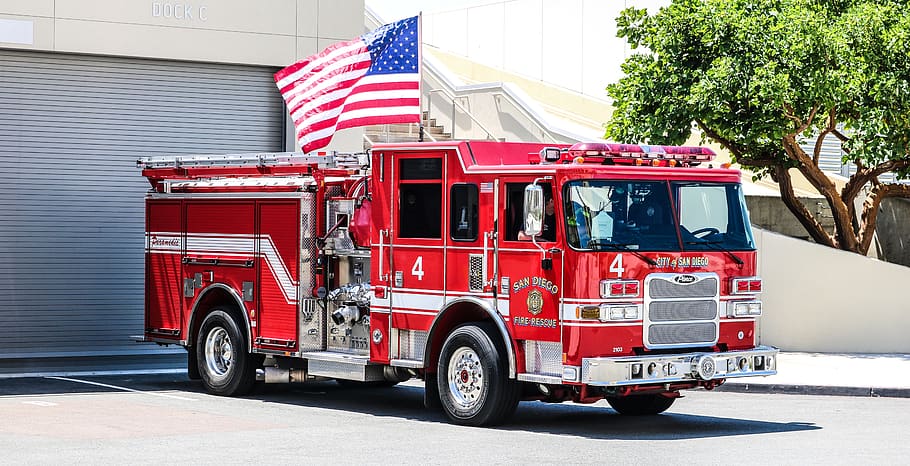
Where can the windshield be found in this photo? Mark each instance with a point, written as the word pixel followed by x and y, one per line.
pixel 640 215
pixel 713 216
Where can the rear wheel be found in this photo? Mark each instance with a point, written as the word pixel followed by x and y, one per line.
pixel 473 379
pixel 224 365
pixel 640 405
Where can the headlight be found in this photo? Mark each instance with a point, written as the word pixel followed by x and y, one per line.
pixel 744 309
pixel 619 312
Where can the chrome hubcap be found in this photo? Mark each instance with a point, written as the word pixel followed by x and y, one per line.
pixel 466 378
pixel 219 353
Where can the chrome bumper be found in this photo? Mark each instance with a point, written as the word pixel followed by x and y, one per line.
pixel 667 368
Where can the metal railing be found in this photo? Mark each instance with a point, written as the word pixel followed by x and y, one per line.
pixel 385 135
pixel 455 105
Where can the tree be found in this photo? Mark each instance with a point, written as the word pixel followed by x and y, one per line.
pixel 761 76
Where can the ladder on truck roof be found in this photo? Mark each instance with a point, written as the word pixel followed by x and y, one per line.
pixel 322 160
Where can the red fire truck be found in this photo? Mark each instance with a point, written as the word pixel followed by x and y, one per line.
pixel 496 272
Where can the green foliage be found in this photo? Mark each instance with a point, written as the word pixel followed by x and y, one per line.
pixel 750 72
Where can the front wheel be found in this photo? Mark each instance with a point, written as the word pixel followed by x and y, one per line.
pixel 640 405
pixel 224 365
pixel 473 379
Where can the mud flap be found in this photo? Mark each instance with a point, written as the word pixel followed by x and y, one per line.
pixel 431 393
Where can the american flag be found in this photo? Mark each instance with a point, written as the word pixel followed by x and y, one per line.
pixel 371 80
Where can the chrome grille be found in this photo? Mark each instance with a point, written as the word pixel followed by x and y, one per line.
pixel 661 289
pixel 681 310
pixel 673 334
pixel 475 272
pixel 660 311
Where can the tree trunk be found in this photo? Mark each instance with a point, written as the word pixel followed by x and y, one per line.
pixel 844 233
pixel 799 210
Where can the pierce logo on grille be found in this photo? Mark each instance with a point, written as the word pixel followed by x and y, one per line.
pixel 684 279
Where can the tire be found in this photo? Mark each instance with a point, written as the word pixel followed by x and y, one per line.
pixel 224 365
pixel 473 378
pixel 640 405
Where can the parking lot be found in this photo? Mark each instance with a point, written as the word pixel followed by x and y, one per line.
pixel 168 419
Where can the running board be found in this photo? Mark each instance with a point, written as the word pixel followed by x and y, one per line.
pixel 407 363
pixel 538 378
pixel 343 366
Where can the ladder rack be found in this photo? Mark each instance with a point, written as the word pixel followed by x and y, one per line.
pixel 261 159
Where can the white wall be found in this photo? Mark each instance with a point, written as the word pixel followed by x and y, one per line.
pixel 820 299
pixel 567 43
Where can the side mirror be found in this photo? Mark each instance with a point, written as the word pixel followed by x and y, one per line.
pixel 533 210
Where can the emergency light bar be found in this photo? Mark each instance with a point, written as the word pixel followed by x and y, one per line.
pixel 640 154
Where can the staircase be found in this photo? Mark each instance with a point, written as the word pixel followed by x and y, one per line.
pixel 405 132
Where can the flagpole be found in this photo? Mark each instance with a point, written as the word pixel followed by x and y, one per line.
pixel 420 76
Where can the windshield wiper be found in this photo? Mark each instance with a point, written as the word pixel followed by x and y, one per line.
pixel 622 247
pixel 715 245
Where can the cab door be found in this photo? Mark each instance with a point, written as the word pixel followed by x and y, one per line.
pixel 418 259
pixel 531 274
pixel 408 251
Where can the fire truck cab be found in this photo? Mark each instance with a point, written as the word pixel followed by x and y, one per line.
pixel 496 272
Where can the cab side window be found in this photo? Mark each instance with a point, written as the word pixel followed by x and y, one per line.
pixel 463 211
pixel 513 221
pixel 420 198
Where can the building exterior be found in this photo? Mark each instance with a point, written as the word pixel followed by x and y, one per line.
pixel 87 87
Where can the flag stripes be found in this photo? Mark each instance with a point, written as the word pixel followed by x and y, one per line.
pixel 373 79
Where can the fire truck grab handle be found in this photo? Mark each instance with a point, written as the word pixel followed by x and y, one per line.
pixel 382 233
pixel 247 263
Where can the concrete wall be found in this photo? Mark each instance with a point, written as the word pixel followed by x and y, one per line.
pixel 273 33
pixel 277 32
pixel 893 231
pixel 770 213
pixel 820 299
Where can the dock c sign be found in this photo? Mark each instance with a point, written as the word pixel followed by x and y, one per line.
pixel 179 10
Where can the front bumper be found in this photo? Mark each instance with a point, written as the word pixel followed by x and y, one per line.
pixel 688 367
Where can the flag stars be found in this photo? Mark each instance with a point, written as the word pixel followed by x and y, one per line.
pixel 394 49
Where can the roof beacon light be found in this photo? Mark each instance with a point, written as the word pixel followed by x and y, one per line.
pixel 640 154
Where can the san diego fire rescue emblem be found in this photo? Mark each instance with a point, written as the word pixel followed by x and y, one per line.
pixel 535 302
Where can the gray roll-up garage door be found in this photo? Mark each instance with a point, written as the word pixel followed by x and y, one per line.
pixel 71 198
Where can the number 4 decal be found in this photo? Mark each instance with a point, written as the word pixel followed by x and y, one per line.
pixel 616 266
pixel 417 270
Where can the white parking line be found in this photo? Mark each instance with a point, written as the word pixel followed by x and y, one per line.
pixel 22 375
pixel 39 403
pixel 163 395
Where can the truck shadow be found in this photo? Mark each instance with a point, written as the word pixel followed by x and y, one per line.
pixel 592 421
pixel 405 401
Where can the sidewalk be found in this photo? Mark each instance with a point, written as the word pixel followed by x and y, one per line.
pixel 832 374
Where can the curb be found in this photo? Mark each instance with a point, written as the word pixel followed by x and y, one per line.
pixel 814 390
